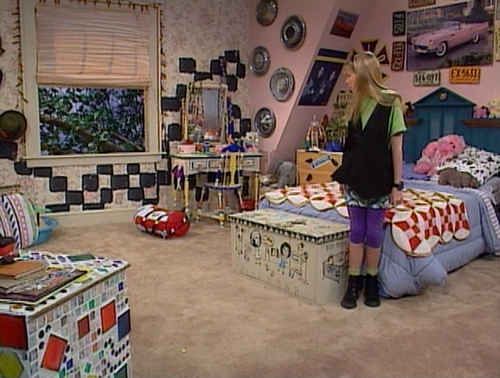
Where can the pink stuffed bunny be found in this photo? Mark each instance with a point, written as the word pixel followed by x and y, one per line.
pixel 438 152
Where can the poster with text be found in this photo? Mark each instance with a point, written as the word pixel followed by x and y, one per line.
pixel 460 34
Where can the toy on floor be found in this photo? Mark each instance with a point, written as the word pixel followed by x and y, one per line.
pixel 439 151
pixel 161 222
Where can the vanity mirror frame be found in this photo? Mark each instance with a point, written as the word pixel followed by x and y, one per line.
pixel 188 105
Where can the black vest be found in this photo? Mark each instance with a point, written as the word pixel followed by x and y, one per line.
pixel 367 166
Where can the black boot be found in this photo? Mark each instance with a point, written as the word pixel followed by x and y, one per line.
pixel 352 293
pixel 372 298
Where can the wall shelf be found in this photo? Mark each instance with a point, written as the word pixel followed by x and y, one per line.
pixel 482 122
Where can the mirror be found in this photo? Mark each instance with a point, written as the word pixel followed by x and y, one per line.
pixel 205 112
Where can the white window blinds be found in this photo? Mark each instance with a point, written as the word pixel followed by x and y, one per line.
pixel 80 44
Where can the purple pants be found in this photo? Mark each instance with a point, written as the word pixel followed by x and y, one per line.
pixel 367 226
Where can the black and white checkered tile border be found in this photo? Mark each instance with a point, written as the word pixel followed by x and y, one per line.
pixel 97 189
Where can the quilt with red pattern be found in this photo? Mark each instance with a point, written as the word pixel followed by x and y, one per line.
pixel 423 219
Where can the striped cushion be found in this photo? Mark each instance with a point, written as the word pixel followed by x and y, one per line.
pixel 18 219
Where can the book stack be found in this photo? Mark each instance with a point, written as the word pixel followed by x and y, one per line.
pixel 20 274
pixel 31 281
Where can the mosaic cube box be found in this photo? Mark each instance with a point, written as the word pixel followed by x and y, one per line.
pixel 306 257
pixel 81 330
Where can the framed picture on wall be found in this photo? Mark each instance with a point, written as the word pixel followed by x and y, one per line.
pixel 344 24
pixel 398 55
pixel 497 43
pixel 398 23
pixel 458 34
pixel 420 3
pixel 323 77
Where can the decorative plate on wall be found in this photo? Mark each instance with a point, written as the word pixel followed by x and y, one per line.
pixel 293 32
pixel 282 84
pixel 265 122
pixel 12 125
pixel 260 61
pixel 267 10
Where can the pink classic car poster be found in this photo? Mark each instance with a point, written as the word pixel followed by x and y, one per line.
pixel 460 34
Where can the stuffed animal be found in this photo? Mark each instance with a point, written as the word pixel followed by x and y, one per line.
pixel 481 112
pixel 160 222
pixel 282 174
pixel 494 106
pixel 457 179
pixel 437 152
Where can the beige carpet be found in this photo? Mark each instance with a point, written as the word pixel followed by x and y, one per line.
pixel 193 317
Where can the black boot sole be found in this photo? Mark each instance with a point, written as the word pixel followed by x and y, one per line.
pixel 371 303
pixel 348 306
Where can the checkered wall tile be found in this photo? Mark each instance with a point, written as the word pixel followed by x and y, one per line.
pixel 98 187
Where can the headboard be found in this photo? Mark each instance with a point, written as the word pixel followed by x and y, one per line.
pixel 444 112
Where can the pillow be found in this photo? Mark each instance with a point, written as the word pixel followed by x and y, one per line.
pixel 161 222
pixel 18 219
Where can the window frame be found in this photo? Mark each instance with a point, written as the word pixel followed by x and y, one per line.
pixel 152 113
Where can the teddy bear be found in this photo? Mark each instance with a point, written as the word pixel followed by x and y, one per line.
pixel 457 179
pixel 437 152
pixel 494 106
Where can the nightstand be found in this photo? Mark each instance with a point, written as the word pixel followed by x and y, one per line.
pixel 316 167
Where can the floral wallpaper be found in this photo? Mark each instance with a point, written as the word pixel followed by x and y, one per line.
pixel 201 29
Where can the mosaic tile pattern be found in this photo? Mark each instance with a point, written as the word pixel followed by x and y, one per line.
pixel 83 330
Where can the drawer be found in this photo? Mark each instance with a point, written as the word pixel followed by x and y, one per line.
pixel 197 165
pixel 214 164
pixel 250 164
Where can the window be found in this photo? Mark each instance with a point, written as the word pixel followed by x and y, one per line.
pixel 90 120
pixel 91 81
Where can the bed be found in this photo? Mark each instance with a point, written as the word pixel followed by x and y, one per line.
pixel 400 274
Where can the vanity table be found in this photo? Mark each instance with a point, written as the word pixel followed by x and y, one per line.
pixel 198 163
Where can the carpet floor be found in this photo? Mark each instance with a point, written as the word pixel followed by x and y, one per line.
pixel 192 316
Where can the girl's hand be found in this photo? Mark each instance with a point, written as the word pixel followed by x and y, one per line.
pixel 396 197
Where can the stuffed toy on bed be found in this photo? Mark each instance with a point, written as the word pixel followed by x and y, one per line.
pixel 438 152
pixel 457 179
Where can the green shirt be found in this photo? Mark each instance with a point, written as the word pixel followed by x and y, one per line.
pixel 397 119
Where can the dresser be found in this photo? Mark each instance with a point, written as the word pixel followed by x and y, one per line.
pixel 316 167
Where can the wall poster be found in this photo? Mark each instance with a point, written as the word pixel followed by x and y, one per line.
pixel 460 34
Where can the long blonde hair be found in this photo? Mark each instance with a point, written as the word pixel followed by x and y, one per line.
pixel 368 83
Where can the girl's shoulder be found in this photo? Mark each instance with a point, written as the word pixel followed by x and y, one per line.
pixel 392 98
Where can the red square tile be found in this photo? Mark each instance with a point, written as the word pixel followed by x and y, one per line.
pixel 16 337
pixel 54 353
pixel 83 327
pixel 108 316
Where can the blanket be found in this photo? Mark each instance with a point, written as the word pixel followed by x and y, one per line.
pixel 423 220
